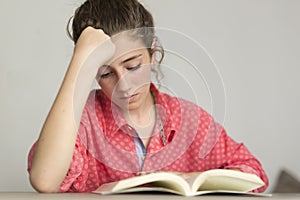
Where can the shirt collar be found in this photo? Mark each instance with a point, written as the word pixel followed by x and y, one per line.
pixel 169 111
pixel 112 116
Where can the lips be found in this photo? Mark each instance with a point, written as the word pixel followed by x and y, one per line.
pixel 128 98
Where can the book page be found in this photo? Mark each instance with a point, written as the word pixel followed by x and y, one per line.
pixel 189 177
pixel 224 179
pixel 168 180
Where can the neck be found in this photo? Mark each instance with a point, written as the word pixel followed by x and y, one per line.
pixel 143 119
pixel 142 116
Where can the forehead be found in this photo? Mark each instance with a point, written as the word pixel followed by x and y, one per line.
pixel 127 45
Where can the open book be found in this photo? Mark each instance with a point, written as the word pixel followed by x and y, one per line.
pixel 186 184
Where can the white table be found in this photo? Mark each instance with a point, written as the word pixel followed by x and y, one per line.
pixel 152 196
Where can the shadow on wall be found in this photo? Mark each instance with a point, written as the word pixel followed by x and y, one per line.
pixel 286 183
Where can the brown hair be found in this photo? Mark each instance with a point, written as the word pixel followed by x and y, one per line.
pixel 115 16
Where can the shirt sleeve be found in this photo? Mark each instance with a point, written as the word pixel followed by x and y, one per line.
pixel 228 154
pixel 77 175
pixel 30 156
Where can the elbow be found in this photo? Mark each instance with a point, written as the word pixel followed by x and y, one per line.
pixel 43 184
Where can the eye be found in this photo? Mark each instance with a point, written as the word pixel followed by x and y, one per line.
pixel 133 68
pixel 106 75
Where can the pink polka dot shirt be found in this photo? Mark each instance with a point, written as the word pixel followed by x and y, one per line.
pixel 185 138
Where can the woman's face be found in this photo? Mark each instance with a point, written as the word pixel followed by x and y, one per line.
pixel 126 78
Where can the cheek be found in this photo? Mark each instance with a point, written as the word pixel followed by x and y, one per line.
pixel 107 88
pixel 143 76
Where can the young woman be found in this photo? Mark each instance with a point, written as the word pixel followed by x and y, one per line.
pixel 128 126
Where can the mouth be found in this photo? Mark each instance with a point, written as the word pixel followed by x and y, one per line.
pixel 129 99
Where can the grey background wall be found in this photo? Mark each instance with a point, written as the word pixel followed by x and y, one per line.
pixel 255 45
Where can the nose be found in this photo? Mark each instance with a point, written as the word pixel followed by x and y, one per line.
pixel 123 85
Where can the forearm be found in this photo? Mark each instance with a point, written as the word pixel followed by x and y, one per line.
pixel 57 139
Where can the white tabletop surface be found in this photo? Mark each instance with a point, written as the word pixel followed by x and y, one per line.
pixel 152 196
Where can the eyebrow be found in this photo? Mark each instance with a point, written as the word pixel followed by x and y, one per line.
pixel 131 58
